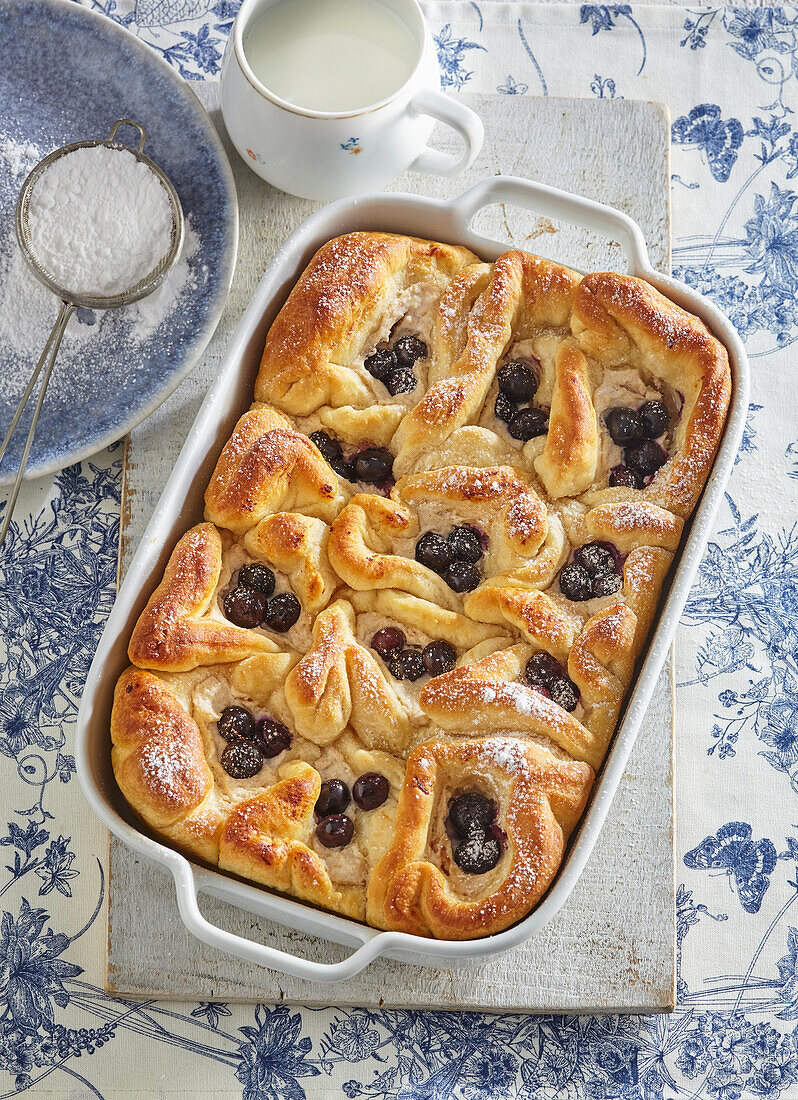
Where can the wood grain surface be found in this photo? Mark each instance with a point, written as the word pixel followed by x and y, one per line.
pixel 611 948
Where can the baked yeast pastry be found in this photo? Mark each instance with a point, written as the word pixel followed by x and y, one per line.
pixel 382 674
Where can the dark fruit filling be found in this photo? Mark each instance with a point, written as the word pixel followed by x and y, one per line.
pixel 653 419
pixel 235 722
pixel 241 759
pixel 370 790
pixel 529 423
pixel 335 831
pixel 624 477
pixel 504 409
pixel 623 425
pixel 272 737
pixel 471 813
pixel 257 576
pixel 477 854
pixel 373 465
pixel 401 381
pixel 565 693
pixel 518 380
pixel 282 612
pixel 576 583
pixel 388 640
pixel 461 576
pixel 518 383
pixel 394 366
pixel 542 670
pixel 433 551
pixel 344 469
pixel 330 448
pixel 471 817
pixel 408 664
pixel 439 657
pixel 333 798
pixel 245 607
pixel 408 349
pixel 381 363
pixel 464 545
pixel 594 557
pixel 594 572
pixel 454 558
pixel 646 457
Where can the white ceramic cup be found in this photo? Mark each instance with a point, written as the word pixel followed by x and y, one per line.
pixel 329 155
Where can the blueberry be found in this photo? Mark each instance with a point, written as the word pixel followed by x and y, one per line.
pixel 282 612
pixel 373 465
pixel 518 380
pixel 408 349
pixel 335 831
pixel 439 657
pixel 653 418
pixel 257 576
pixel 542 669
pixel 395 667
pixel 504 409
pixel 528 423
pixel 576 583
pixel 412 664
pixel 273 737
pixel 370 790
pixel 623 425
pixel 432 550
pixel 645 457
pixel 565 693
pixel 462 576
pixel 329 448
pixel 401 381
pixel 477 854
pixel 344 469
pixel 624 477
pixel 464 545
pixel 607 584
pixel 471 813
pixel 597 559
pixel 235 722
pixel 387 641
pixel 381 363
pixel 333 798
pixel 241 759
pixel 245 606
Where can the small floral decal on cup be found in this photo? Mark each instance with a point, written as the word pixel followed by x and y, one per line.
pixel 254 156
pixel 352 145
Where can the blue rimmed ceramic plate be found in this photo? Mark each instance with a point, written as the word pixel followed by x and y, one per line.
pixel 68 74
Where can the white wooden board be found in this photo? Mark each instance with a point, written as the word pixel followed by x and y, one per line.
pixel 611 948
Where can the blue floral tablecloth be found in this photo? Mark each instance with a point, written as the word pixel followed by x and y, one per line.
pixel 730 78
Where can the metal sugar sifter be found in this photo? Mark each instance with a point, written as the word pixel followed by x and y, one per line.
pixel 70 300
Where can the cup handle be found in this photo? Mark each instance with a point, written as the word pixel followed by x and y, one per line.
pixel 466 122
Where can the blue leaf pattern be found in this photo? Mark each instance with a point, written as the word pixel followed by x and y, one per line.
pixel 734 1035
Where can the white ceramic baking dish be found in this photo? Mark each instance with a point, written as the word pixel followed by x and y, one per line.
pixel 180 506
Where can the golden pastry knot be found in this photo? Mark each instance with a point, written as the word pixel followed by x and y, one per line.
pixel 535 800
pixel 360 293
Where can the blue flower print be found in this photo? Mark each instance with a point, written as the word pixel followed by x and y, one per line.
pixel 353 1037
pixel 451 57
pixel 778 721
pixel 788 974
pixel 26 840
pixel 719 139
pixel 211 1011
pixel 602 18
pixel 753 27
pixel 603 88
pixel 512 87
pixel 273 1057
pixel 746 863
pixel 31 972
pixel 772 241
pixel 55 870
pixel 493 1073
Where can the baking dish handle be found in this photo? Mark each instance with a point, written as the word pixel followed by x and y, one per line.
pixel 186 886
pixel 560 205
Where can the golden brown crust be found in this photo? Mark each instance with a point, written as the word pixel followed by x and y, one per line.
pixel 348 553
pixel 541 799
